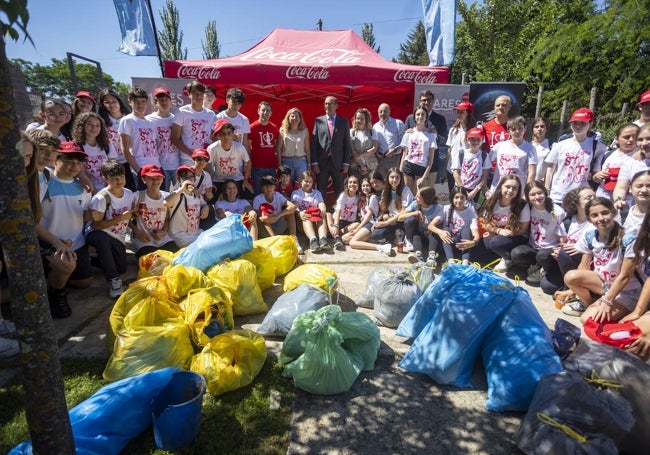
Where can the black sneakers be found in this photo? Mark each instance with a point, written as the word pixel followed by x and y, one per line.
pixel 59 307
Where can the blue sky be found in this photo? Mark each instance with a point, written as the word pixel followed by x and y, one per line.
pixel 89 27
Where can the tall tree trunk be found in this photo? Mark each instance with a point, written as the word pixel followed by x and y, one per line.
pixel 45 407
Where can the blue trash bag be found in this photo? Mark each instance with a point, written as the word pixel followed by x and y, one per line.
pixel 569 414
pixel 289 306
pixel 229 238
pixel 467 302
pixel 115 414
pixel 517 352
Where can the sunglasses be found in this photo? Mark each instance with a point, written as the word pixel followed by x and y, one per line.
pixel 202 159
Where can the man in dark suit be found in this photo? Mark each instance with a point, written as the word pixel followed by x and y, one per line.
pixel 330 147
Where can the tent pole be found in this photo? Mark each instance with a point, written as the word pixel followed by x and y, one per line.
pixel 155 35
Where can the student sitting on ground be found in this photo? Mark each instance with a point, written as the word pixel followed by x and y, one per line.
pixel 229 204
pixel 186 208
pixel 274 212
pixel 420 238
pixel 311 212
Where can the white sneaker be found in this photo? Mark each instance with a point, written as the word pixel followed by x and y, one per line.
pixel 432 259
pixel 408 246
pixel 8 348
pixel 6 328
pixel 385 249
pixel 502 266
pixel 115 288
pixel 575 308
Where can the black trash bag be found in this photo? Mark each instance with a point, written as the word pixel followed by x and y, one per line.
pixel 589 410
pixel 289 306
pixel 565 335
pixel 376 277
pixel 394 297
pixel 615 364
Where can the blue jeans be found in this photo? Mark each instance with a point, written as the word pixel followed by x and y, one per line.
pixel 257 173
pixel 297 166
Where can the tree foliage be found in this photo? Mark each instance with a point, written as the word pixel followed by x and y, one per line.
pixel 414 51
pixel 211 46
pixel 55 81
pixel 45 407
pixel 369 36
pixel 171 37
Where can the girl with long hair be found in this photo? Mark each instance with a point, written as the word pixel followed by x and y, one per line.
pixel 89 131
pixel 395 197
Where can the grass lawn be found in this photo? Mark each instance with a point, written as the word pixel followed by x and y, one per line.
pixel 237 422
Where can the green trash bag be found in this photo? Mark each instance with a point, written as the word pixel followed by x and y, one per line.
pixel 326 350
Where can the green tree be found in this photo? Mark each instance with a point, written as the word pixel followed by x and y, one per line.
pixel 369 36
pixel 54 80
pixel 211 47
pixel 414 51
pixel 615 59
pixel 171 37
pixel 45 406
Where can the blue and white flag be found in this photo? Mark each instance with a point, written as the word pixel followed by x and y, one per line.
pixel 440 30
pixel 137 30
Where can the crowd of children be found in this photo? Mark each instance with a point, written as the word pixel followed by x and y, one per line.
pixel 163 178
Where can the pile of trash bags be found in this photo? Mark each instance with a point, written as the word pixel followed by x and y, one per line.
pixel 180 313
pixel 466 313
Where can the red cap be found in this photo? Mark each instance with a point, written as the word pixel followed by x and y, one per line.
pixel 645 98
pixel 610 182
pixel 71 147
pixel 476 132
pixel 184 167
pixel 151 170
pixel 582 115
pixel 267 209
pixel 161 91
pixel 465 106
pixel 314 213
pixel 219 124
pixel 85 94
pixel 200 153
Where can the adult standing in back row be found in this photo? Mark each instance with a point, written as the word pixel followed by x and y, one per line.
pixel 330 147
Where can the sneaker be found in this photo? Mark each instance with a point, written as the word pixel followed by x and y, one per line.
pixel 415 257
pixel 115 288
pixel 59 307
pixel 386 249
pixel 432 259
pixel 502 266
pixel 575 308
pixel 408 246
pixel 8 348
pixel 323 243
pixel 534 276
pixel 314 246
pixel 338 244
pixel 7 328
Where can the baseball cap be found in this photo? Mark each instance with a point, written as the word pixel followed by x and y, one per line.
pixel 582 115
pixel 70 148
pixel 314 213
pixel 85 94
pixel 267 180
pixel 220 124
pixel 267 209
pixel 465 106
pixel 151 170
pixel 475 132
pixel 645 98
pixel 201 153
pixel 184 167
pixel 610 182
pixel 161 91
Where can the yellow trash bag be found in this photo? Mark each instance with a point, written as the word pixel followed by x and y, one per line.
pixel 284 250
pixel 313 274
pixel 154 263
pixel 238 278
pixel 183 279
pixel 142 349
pixel 263 261
pixel 147 302
pixel 230 360
pixel 207 312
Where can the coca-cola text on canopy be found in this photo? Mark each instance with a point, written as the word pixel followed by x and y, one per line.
pixel 198 72
pixel 416 77
pixel 317 57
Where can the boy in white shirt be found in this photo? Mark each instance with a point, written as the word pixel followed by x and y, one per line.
pixel 163 119
pixel 110 210
pixel 230 160
pixel 191 128
pixel 235 98
pixel 274 212
pixel 186 207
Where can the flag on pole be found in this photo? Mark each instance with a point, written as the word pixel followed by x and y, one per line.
pixel 138 36
pixel 440 30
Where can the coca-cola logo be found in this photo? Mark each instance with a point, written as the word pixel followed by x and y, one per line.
pixel 317 57
pixel 316 72
pixel 416 77
pixel 198 72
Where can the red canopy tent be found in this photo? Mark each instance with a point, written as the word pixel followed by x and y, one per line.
pixel 297 68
